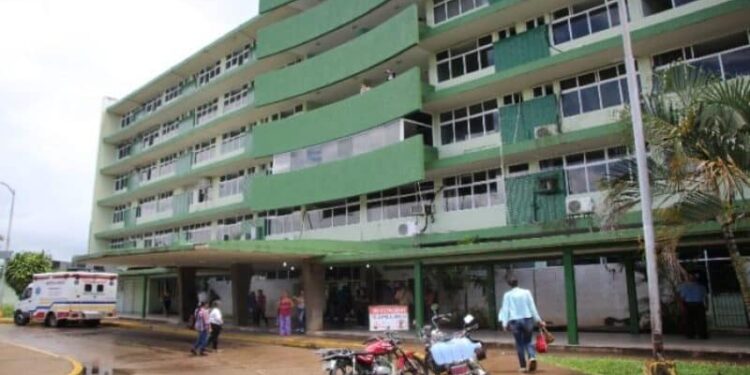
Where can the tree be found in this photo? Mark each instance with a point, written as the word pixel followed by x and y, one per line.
pixel 20 269
pixel 698 129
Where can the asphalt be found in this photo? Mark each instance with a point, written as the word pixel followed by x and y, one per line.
pixel 21 359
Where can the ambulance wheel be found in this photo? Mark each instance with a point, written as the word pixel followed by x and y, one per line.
pixel 93 323
pixel 20 318
pixel 51 321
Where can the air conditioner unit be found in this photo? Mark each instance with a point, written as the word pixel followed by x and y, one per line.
pixel 408 229
pixel 545 130
pixel 579 205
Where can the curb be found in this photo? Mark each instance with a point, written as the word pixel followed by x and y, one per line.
pixel 6 321
pixel 76 366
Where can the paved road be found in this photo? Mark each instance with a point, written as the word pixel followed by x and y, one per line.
pixel 115 351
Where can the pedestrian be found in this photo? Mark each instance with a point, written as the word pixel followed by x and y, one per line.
pixel 363 88
pixel 261 308
pixel 166 302
pixel 285 314
pixel 693 296
pixel 202 326
pixel 390 74
pixel 216 320
pixel 519 315
pixel 252 305
pixel 300 311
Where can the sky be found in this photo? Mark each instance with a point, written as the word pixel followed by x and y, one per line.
pixel 58 60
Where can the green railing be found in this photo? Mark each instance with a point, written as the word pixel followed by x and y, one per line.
pixel 311 24
pixel 391 100
pixel 386 41
pixel 518 121
pixel 522 48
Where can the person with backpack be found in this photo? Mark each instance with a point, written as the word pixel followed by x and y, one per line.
pixel 203 327
pixel 216 321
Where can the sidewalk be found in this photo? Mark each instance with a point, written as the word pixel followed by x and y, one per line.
pixel 18 359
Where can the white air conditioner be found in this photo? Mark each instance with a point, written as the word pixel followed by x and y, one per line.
pixel 408 229
pixel 545 130
pixel 579 205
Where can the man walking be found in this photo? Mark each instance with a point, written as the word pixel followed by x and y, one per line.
pixel 203 328
pixel 519 315
pixel 216 320
pixel 693 296
pixel 300 311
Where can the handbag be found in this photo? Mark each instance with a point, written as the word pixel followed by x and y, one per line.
pixel 541 344
pixel 548 337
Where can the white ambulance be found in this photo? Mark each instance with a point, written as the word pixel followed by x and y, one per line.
pixel 60 297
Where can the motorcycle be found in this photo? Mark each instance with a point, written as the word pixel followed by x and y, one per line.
pixel 458 354
pixel 380 356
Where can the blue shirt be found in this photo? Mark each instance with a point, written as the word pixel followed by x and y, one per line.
pixel 518 304
pixel 692 292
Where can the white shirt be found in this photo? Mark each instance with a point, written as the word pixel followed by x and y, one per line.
pixel 518 304
pixel 215 317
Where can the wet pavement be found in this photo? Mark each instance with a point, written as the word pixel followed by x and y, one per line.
pixel 113 351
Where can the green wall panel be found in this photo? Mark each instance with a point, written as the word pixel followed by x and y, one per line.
pixel 395 165
pixel 355 114
pixel 268 5
pixel 522 48
pixel 389 39
pixel 528 205
pixel 311 24
pixel 517 122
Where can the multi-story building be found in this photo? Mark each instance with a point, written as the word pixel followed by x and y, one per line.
pixel 331 140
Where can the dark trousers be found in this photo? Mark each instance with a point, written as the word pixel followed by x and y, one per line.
pixel 696 320
pixel 213 339
pixel 260 314
pixel 523 331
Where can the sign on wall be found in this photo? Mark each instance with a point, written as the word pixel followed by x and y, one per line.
pixel 389 318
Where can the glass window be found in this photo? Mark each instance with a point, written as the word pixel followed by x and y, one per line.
pixel 656 6
pixel 583 19
pixel 475 190
pixel 464 59
pixel 444 10
pixel 468 122
pixel 726 57
pixel 586 171
pixel 404 201
pixel 208 73
pixel 588 92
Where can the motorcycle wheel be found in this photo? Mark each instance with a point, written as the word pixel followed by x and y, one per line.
pixel 341 369
pixel 413 366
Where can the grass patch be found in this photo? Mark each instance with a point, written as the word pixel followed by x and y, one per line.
pixel 7 311
pixel 619 366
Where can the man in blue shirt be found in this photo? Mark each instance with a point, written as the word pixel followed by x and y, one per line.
pixel 519 315
pixel 693 296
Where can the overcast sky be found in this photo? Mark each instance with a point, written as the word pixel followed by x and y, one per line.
pixel 58 59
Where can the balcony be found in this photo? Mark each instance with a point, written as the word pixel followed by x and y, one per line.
pixel 522 48
pixel 338 64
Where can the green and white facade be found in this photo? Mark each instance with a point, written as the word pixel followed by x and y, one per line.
pixel 285 142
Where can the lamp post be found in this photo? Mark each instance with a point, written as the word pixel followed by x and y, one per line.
pixel 7 240
pixel 657 340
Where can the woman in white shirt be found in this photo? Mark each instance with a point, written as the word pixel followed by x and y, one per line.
pixel 216 320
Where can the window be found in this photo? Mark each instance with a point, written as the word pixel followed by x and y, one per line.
pixel 403 201
pixel 332 214
pixel 656 6
pixel 198 233
pixel 584 171
pixel 285 113
pixel 121 182
pixel 152 104
pixel 282 221
pixel 583 19
pixel 233 140
pixel 726 57
pixel 468 122
pixel 518 169
pixel 236 98
pixel 207 111
pixel 204 151
pixel 208 73
pixel 87 288
pixel 168 165
pixel 164 203
pixel 511 99
pixel 593 91
pixel 146 207
pixel 164 237
pixel 444 10
pixel 231 228
pixel 550 164
pixel 169 129
pixel 238 57
pixel 118 216
pixel 148 172
pixel 465 59
pixel 506 33
pixel 150 137
pixel 172 92
pixel 545 90
pixel 100 288
pixel 535 22
pixel 129 118
pixel 473 190
pixel 231 184
pixel 124 150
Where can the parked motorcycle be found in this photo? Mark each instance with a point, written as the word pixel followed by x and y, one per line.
pixel 457 354
pixel 382 355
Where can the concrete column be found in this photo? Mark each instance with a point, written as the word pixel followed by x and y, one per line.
pixel 491 298
pixel 188 296
pixel 418 295
pixel 241 275
pixel 571 305
pixel 144 307
pixel 313 283
pixel 632 295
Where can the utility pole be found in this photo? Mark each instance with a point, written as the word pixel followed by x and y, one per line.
pixel 7 240
pixel 657 340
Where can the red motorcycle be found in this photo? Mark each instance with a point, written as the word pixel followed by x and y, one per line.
pixel 380 356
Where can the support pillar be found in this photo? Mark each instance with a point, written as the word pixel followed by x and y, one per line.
pixel 491 298
pixel 634 323
pixel 144 307
pixel 188 294
pixel 240 275
pixel 571 305
pixel 418 294
pixel 313 283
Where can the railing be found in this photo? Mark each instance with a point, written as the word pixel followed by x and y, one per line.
pixel 201 235
pixel 230 232
pixel 238 103
pixel 232 187
pixel 233 144
pixel 204 155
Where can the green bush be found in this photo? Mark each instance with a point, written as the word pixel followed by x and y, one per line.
pixel 7 311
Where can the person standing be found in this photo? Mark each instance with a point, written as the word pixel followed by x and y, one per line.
pixel 519 315
pixel 261 308
pixel 216 320
pixel 300 311
pixel 252 305
pixel 285 314
pixel 203 327
pixel 166 302
pixel 693 295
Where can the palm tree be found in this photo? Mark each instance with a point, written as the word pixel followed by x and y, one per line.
pixel 698 130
